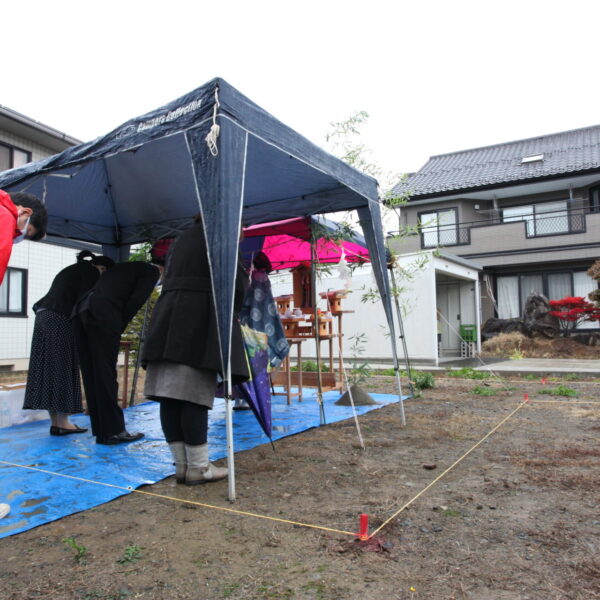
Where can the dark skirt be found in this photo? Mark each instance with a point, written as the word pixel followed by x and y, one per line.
pixel 53 382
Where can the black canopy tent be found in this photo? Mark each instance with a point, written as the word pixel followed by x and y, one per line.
pixel 211 151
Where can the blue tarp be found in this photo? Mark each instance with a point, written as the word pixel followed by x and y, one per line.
pixel 146 180
pixel 37 498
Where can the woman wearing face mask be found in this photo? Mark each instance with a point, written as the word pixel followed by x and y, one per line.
pixel 22 216
pixel 53 381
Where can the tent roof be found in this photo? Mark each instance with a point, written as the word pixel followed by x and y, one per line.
pixel 137 182
pixel 287 243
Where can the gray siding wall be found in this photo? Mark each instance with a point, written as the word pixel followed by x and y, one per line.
pixel 37 151
pixel 507 244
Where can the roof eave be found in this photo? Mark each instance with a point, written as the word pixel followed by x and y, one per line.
pixel 499 185
pixel 28 128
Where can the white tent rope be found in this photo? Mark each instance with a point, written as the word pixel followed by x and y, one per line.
pixel 349 390
pixel 487 367
pixel 213 134
pixel 344 374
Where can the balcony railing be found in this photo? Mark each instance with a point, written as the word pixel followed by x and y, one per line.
pixel 562 222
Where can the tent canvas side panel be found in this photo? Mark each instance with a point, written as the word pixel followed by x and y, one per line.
pixel 220 187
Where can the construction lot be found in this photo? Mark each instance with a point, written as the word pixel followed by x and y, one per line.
pixel 518 517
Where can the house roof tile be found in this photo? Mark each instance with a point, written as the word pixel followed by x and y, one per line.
pixel 568 152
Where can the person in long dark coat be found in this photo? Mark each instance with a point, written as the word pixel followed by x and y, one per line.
pixel 53 379
pixel 100 318
pixel 182 358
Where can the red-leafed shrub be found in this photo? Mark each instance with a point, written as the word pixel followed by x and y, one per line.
pixel 572 311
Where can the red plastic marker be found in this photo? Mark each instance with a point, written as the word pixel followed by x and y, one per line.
pixel 543 380
pixel 363 532
pixel 525 397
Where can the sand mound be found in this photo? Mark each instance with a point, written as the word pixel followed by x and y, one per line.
pixel 360 397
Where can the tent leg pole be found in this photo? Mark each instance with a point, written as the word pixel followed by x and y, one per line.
pixel 230 448
pixel 402 336
pixel 313 278
pixel 402 415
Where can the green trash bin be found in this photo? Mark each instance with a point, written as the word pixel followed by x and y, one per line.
pixel 468 333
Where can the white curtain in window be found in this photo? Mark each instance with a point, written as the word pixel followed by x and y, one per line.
pixel 516 213
pixel 559 286
pixel 20 158
pixel 531 284
pixel 508 297
pixel 447 227
pixel 520 213
pixel 15 294
pixel 583 284
pixel 429 229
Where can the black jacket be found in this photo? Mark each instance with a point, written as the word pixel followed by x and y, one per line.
pixel 119 294
pixel 183 328
pixel 69 285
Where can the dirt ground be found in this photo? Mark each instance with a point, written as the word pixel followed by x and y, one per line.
pixel 517 518
pixel 507 345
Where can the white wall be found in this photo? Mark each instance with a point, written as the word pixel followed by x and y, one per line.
pixel 417 300
pixel 43 262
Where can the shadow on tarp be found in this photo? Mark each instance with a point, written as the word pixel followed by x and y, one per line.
pixel 37 498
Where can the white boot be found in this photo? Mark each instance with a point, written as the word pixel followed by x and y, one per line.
pixel 199 469
pixel 179 458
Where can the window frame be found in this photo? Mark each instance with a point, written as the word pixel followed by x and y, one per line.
pixel 594 207
pixel 544 275
pixel 437 211
pixel 12 149
pixel 24 281
pixel 535 216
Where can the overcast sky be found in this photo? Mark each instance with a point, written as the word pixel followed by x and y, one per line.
pixel 434 76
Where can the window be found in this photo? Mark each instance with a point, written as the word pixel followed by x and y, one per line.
pixel 11 157
pixel 532 158
pixel 512 290
pixel 595 199
pixel 548 218
pixel 583 284
pixel 519 213
pixel 438 228
pixel 508 297
pixel 13 293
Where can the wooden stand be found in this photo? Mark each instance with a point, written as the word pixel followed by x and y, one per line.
pixel 284 376
pixel 297 329
pixel 338 315
pixel 123 400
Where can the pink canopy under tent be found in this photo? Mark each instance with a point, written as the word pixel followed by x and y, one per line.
pixel 288 243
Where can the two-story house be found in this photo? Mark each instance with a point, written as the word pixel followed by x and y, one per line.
pixel 32 265
pixel 527 211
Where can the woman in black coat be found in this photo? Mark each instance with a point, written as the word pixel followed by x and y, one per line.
pixel 101 317
pixel 181 354
pixel 53 379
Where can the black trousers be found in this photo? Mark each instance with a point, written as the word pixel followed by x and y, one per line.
pixel 98 349
pixel 183 421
